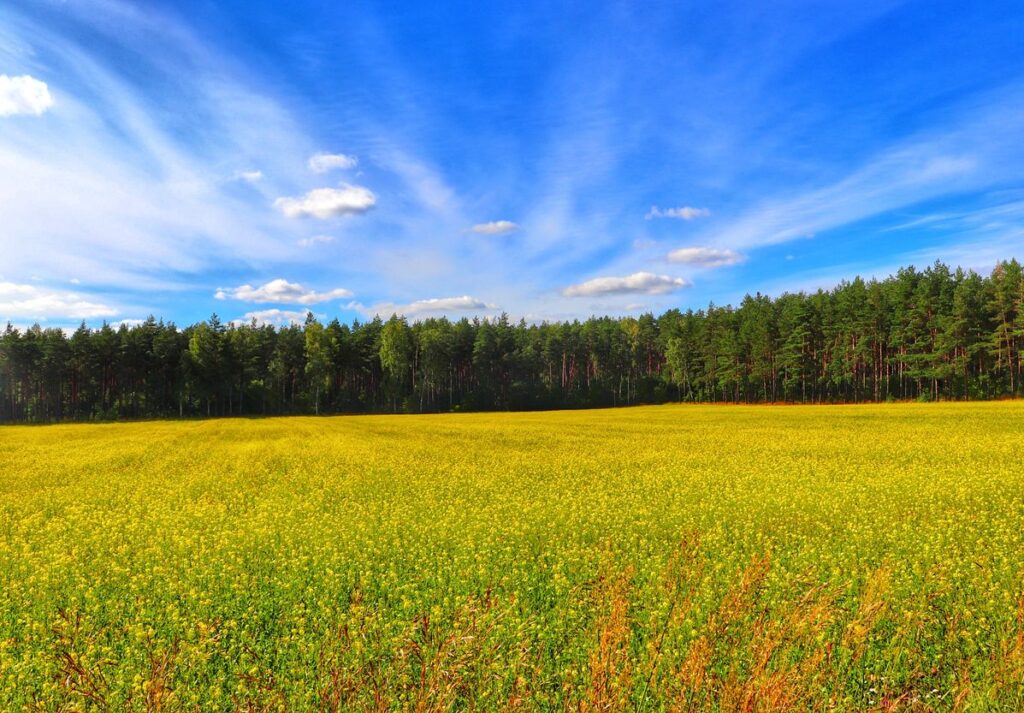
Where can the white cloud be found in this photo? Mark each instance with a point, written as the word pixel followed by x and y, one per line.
pixel 682 213
pixel 615 307
pixel 324 203
pixel 706 257
pixel 249 176
pixel 646 283
pixel 31 302
pixel 495 227
pixel 311 241
pixel 324 162
pixel 434 305
pixel 10 289
pixel 23 95
pixel 280 291
pixel 272 316
pixel 444 304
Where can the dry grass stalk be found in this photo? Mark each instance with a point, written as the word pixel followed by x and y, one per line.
pixel 610 664
pixel 77 676
pixel 870 609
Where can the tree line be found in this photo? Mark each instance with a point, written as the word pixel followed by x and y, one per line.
pixel 931 334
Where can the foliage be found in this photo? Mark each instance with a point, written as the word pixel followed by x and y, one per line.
pixel 691 558
pixel 925 335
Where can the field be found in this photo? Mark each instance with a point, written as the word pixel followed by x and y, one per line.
pixel 666 558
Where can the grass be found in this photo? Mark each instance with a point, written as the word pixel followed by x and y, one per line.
pixel 667 558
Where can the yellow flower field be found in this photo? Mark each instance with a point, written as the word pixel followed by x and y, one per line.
pixel 663 558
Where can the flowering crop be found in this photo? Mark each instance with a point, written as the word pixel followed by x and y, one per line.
pixel 663 558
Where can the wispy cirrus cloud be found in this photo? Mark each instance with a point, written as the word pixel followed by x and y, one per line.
pixel 23 95
pixel 280 291
pixel 705 257
pixel 114 184
pixel 326 203
pixel 898 178
pixel 681 213
pixel 641 283
pixel 117 184
pixel 966 152
pixel 324 162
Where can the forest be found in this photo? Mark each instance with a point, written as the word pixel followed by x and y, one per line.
pixel 932 334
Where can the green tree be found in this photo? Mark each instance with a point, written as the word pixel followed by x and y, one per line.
pixel 319 355
pixel 397 357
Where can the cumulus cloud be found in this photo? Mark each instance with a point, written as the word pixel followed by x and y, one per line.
pixel 324 162
pixel 645 283
pixel 249 176
pixel 444 304
pixel 681 213
pixel 705 257
pixel 495 227
pixel 23 95
pixel 325 203
pixel 435 305
pixel 311 241
pixel 31 302
pixel 616 307
pixel 272 316
pixel 280 291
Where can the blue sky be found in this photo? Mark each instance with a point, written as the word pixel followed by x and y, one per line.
pixel 465 158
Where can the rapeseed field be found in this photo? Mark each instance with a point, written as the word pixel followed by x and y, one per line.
pixel 691 558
